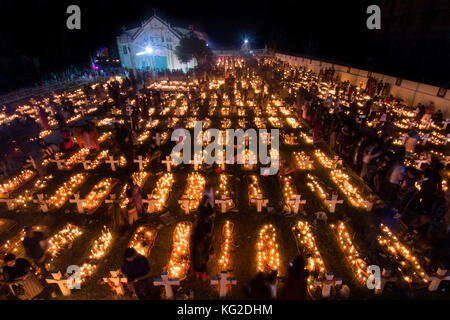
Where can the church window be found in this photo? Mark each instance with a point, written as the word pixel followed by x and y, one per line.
pixel 125 51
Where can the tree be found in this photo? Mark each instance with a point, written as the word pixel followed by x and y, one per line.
pixel 191 47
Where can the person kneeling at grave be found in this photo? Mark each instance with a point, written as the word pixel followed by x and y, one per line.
pixel 18 274
pixel 137 270
pixel 36 247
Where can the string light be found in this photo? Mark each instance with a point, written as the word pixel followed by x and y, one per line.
pixel 98 193
pixel 289 190
pixel 358 265
pixel 76 158
pixel 179 262
pixel 323 159
pixel 98 160
pixel 139 178
pixel 342 180
pixel 224 189
pixel 162 191
pixel 68 189
pixel 254 188
pixel 305 240
pixel 64 238
pixel 225 248
pixel 143 239
pixel 268 257
pixel 17 182
pixel 408 265
pixel 302 161
pixel 194 188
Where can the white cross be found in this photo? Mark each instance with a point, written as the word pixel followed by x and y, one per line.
pixel 440 275
pixel 112 199
pixel 168 163
pixel 56 277
pixel 141 163
pixel 31 160
pixel 150 201
pixel 446 122
pixel 327 283
pixel 42 202
pixel 420 162
pixel 223 203
pixel 260 202
pixel 9 203
pixel 290 139
pixel 332 203
pixel 296 202
pixel 185 203
pixel 425 138
pixel 112 162
pixel 167 283
pixel 223 283
pixel 157 138
pixel 85 163
pixel 78 201
pixel 196 162
pixel 117 281
pixel 59 162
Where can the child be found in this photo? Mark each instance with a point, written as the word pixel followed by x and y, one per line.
pixel 131 209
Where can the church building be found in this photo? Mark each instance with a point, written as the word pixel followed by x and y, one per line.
pixel 152 46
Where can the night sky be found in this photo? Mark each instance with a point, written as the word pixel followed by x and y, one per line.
pixel 335 31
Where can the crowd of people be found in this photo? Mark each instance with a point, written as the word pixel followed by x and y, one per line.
pixel 379 162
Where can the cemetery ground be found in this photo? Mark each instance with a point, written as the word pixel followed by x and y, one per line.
pixel 247 223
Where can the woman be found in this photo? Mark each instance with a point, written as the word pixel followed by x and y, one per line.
pixel 67 140
pixel 296 282
pixel 136 195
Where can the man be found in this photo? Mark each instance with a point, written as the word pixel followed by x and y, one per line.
pixel 36 248
pixel 18 274
pixel 137 270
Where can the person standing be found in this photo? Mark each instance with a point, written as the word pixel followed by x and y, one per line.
pixel 137 270
pixel 136 195
pixel 295 287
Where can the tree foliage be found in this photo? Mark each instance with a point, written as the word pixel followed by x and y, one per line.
pixel 191 47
